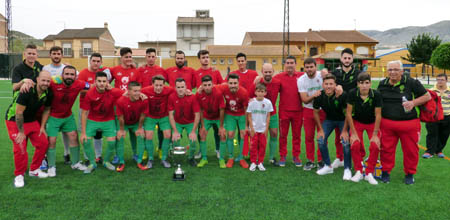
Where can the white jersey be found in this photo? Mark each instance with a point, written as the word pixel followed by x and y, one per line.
pixel 310 86
pixel 259 110
pixel 54 70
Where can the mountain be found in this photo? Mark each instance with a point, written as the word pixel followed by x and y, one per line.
pixel 398 37
pixel 25 38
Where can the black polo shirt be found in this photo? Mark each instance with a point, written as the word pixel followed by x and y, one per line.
pixel 392 97
pixel 346 79
pixel 364 110
pixel 332 106
pixel 23 71
pixel 32 102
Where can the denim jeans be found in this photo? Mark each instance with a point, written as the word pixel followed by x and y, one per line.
pixel 328 126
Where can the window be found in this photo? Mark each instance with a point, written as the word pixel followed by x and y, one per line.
pixel 362 50
pixel 313 51
pixel 87 49
pixel 187 31
pixel 214 61
pixel 195 47
pixel 230 61
pixel 274 61
pixel 264 61
pixel 165 52
pixel 67 49
pixel 339 48
pixel 222 61
pixel 203 31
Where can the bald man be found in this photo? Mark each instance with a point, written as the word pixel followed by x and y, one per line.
pixel 22 125
pixel 273 88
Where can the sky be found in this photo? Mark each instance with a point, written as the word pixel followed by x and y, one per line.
pixel 132 21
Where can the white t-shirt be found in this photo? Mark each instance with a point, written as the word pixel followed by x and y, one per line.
pixel 305 84
pixel 259 110
pixel 54 70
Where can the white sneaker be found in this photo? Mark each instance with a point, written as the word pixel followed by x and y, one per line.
pixel 357 177
pixel 38 173
pixel 347 174
pixel 337 163
pixel 78 166
pixel 369 178
pixel 261 167
pixel 325 170
pixel 198 155
pixel 51 172
pixel 18 181
pixel 252 167
pixel 218 154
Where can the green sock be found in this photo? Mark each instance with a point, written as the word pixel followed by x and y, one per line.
pixel 203 150
pixel 120 150
pixel 89 151
pixel 74 154
pixel 165 148
pixel 230 145
pixel 51 157
pixel 241 148
pixel 110 151
pixel 223 149
pixel 273 147
pixel 150 147
pixel 133 142
pixel 192 149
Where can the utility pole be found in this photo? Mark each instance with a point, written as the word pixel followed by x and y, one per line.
pixel 285 32
pixel 8 14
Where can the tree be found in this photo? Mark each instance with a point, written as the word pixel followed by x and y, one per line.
pixel 420 49
pixel 441 56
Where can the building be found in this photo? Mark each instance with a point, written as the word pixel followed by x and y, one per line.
pixel 163 48
pixel 195 33
pixel 80 43
pixel 3 34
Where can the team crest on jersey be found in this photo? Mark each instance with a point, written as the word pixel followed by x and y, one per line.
pixel 90 78
pixel 125 80
pixel 119 73
pixel 227 97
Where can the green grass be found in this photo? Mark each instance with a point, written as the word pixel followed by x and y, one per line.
pixel 213 193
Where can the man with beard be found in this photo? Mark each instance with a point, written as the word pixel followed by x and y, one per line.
pixel 60 118
pixel 181 71
pixel 273 88
pixel 22 126
pixel 56 67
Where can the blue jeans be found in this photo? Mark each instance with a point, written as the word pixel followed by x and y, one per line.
pixel 328 126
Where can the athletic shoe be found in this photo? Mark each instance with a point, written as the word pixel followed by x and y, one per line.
pixel 325 170
pixel 337 163
pixel 282 162
pixel 90 168
pixel 67 159
pixel 115 160
pixel 308 166
pixel 218 154
pixel 149 164
pixel 261 167
pixel 222 164
pixel 409 179
pixel 427 155
pixel 369 178
pixel 51 172
pixel 109 166
pixel 230 163
pixel 120 167
pixel 198 155
pixel 252 167
pixel 99 160
pixel 135 157
pixel 440 155
pixel 347 174
pixel 274 162
pixel 38 173
pixel 192 162
pixel 385 177
pixel 165 163
pixel 357 177
pixel 320 165
pixel 78 166
pixel 18 181
pixel 44 164
pixel 243 164
pixel 86 162
pixel 142 167
pixel 297 162
pixel 202 163
pixel 145 156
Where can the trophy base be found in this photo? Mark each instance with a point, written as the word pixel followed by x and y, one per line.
pixel 179 177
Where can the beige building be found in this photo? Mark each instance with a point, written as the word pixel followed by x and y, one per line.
pixel 163 48
pixel 195 33
pixel 3 34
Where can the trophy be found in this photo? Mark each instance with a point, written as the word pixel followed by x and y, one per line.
pixel 178 153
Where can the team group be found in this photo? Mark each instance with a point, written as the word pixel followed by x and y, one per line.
pixel 151 97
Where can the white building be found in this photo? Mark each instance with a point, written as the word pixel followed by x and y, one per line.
pixel 195 33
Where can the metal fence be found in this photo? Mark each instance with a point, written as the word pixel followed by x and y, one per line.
pixel 7 64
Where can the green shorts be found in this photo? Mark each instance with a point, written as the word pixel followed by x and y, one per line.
pixel 188 127
pixel 210 123
pixel 132 128
pixel 163 123
pixel 231 121
pixel 108 128
pixel 56 125
pixel 274 121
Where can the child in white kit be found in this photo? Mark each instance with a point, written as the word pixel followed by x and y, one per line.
pixel 258 111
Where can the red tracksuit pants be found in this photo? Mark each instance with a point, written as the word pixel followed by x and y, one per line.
pixel 40 142
pixel 258 149
pixel 310 127
pixel 358 147
pixel 293 118
pixel 408 132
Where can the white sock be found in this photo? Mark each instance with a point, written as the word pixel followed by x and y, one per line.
pixel 98 147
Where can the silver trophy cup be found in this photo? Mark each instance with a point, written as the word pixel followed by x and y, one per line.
pixel 179 153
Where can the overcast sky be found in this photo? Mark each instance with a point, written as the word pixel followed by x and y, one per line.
pixel 131 21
